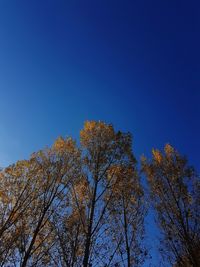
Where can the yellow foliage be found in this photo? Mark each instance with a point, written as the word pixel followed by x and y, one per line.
pixel 99 130
pixel 169 150
pixel 114 170
pixel 62 145
pixel 59 144
pixel 90 125
pixel 157 156
pixel 4 197
pixel 133 200
pixel 81 189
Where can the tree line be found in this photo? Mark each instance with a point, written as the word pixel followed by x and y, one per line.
pixel 74 205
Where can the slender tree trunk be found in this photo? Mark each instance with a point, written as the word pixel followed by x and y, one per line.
pixel 75 248
pixel 126 237
pixel 89 232
pixel 28 252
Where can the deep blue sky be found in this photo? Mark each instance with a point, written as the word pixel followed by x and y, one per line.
pixel 133 63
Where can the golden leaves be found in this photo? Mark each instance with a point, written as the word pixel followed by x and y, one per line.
pixel 124 182
pixel 62 145
pixel 90 125
pixel 114 170
pixel 66 187
pixel 59 144
pixel 4 197
pixel 96 131
pixel 169 150
pixel 172 194
pixel 81 190
pixel 157 155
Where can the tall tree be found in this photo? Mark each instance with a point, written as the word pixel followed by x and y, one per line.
pixel 17 194
pixel 49 172
pixel 175 195
pixel 127 210
pixel 103 150
pixel 69 226
pixel 58 208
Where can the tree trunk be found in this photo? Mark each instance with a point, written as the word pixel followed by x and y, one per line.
pixel 89 232
pixel 126 236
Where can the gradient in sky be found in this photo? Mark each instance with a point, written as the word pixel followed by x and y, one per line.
pixel 135 64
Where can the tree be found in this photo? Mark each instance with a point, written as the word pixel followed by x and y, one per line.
pixel 16 197
pixel 127 210
pixel 175 195
pixel 103 150
pixel 58 206
pixel 46 176
pixel 69 227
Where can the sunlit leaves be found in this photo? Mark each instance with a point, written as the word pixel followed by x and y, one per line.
pixel 57 207
pixel 173 184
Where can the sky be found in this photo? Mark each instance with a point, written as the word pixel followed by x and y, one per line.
pixel 135 64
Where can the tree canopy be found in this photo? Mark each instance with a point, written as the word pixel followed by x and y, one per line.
pixel 84 205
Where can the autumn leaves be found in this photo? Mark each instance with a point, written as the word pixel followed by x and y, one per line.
pixel 72 205
pixel 175 196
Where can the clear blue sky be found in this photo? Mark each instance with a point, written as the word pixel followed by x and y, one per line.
pixel 133 63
